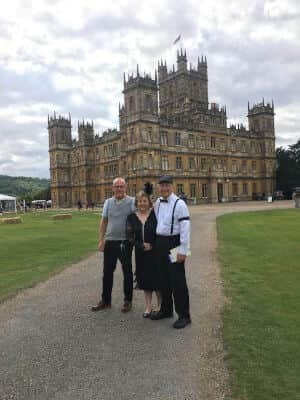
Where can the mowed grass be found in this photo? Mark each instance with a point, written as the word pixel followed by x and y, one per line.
pixel 33 250
pixel 260 257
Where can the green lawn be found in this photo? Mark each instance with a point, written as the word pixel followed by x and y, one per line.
pixel 260 257
pixel 32 251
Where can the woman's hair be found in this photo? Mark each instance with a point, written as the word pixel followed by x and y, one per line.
pixel 141 194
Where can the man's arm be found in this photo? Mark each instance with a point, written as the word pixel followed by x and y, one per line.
pixel 102 231
pixel 184 224
pixel 103 226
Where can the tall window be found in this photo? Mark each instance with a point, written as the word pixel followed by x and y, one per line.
pixel 245 188
pixel 244 166
pixel 131 103
pixel 203 163
pixel 204 190
pixel 254 187
pixel 234 168
pixel 192 164
pixel 149 103
pixel 234 189
pixel 178 163
pixel 233 145
pixel 164 138
pixel 223 165
pixel 150 161
pixel 222 145
pixel 177 138
pixel 193 190
pixel 164 163
pixel 243 145
pixel 253 166
pixel 179 188
pixel 191 140
pixel 214 165
pixel 149 135
pixel 213 142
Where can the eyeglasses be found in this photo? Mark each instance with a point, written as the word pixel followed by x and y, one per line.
pixel 119 187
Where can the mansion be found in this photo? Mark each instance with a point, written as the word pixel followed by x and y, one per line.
pixel 167 126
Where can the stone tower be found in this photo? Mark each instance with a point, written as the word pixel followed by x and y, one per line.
pixel 261 119
pixel 183 86
pixel 140 98
pixel 261 124
pixel 60 145
pixel 86 133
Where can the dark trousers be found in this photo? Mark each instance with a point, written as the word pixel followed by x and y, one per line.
pixel 115 250
pixel 173 280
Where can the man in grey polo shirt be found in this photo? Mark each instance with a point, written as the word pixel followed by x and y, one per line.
pixel 112 241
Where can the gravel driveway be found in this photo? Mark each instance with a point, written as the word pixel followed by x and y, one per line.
pixel 53 347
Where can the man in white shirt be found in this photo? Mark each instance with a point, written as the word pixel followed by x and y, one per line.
pixel 173 232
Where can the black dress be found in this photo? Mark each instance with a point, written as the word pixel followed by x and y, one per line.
pixel 147 274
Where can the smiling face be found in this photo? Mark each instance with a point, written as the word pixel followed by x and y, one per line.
pixel 119 188
pixel 165 189
pixel 142 203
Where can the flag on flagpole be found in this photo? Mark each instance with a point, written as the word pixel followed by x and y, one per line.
pixel 177 39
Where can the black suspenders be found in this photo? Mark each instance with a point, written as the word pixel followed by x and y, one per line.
pixel 173 213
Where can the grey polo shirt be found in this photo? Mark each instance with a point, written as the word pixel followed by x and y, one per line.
pixel 116 212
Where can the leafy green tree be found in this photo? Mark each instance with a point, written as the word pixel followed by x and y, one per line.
pixel 288 168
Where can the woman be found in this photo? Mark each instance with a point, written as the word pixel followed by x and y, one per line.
pixel 141 228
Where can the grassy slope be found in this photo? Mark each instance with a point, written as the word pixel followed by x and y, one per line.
pixel 260 255
pixel 32 251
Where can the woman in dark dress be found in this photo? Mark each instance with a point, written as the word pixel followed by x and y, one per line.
pixel 141 230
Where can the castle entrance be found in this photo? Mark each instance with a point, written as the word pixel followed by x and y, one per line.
pixel 220 192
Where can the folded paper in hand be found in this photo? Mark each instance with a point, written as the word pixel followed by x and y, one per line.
pixel 174 252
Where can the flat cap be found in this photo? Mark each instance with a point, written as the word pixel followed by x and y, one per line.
pixel 165 179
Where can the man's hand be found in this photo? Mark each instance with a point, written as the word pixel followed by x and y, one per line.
pixel 101 245
pixel 180 258
pixel 147 246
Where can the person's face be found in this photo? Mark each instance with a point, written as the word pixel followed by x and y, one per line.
pixel 143 204
pixel 119 189
pixel 165 189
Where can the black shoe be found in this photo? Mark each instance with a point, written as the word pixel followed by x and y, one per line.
pixel 155 315
pixel 181 323
pixel 100 306
pixel 126 306
pixel 147 314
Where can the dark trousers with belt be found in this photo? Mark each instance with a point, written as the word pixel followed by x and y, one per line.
pixel 115 250
pixel 173 280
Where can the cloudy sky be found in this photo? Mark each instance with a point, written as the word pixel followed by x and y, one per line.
pixel 69 56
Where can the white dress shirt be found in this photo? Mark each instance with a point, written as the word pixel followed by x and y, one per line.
pixel 163 211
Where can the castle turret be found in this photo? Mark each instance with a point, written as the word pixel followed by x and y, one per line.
pixel 181 61
pixel 60 145
pixel 261 119
pixel 140 98
pixel 86 133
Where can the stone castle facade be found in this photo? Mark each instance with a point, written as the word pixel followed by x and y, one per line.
pixel 167 126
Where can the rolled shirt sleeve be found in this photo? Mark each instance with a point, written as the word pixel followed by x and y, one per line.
pixel 184 228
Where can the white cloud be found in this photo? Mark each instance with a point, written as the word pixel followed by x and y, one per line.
pixel 70 57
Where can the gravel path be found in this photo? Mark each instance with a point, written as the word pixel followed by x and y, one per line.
pixel 53 347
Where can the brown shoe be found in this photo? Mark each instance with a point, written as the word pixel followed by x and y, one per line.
pixel 126 306
pixel 100 306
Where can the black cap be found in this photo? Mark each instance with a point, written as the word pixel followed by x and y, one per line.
pixel 165 179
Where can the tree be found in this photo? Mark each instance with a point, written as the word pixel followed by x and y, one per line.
pixel 288 168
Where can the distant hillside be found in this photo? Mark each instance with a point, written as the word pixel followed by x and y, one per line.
pixel 21 185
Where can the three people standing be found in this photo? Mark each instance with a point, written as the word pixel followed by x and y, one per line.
pixel 158 236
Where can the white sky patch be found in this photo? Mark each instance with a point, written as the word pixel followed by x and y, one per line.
pixel 70 57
